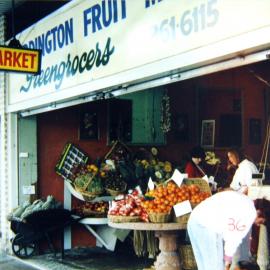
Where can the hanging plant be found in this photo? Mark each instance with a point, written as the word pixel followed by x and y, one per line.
pixel 165 120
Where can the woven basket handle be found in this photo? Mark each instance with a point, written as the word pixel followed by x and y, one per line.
pixel 115 143
pixel 113 147
pixel 89 181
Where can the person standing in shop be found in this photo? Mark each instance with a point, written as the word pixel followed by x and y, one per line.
pixel 217 226
pixel 242 178
pixel 193 168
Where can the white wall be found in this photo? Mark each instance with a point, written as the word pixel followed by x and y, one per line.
pixel 8 157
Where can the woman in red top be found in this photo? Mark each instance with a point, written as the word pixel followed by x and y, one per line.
pixel 192 168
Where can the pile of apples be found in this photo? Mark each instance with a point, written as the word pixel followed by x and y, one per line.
pixel 163 198
pixel 129 205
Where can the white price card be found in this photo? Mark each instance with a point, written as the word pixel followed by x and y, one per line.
pixel 205 178
pixel 178 177
pixel 28 190
pixel 182 208
pixel 151 184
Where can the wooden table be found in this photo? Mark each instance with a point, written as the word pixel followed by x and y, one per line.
pixel 168 258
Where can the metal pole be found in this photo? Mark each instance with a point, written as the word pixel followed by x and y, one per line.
pixel 13 19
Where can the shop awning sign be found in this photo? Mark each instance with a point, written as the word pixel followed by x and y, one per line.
pixel 20 60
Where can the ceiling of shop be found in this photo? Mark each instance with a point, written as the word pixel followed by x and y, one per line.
pixel 6 5
pixel 27 12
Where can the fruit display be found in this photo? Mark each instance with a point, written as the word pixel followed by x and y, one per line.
pixel 87 179
pixel 92 209
pixel 115 184
pixel 163 198
pixel 129 205
pixel 92 183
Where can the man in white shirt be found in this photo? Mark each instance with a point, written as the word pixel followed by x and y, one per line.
pixel 226 216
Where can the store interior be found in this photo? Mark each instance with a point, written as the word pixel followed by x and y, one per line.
pixel 235 101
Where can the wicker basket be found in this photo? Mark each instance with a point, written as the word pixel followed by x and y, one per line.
pixel 114 193
pixel 201 183
pixel 123 219
pixel 160 217
pixel 187 257
pixel 182 219
pixel 90 213
pixel 87 195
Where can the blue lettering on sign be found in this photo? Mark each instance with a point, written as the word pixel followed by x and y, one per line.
pixel 56 38
pixel 149 2
pixel 103 15
pixel 96 57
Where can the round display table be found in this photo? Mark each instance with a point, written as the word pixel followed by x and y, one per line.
pixel 168 258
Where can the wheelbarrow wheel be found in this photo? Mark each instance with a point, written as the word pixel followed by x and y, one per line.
pixel 22 250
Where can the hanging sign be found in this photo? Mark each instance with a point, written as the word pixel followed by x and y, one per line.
pixel 20 60
pixel 83 41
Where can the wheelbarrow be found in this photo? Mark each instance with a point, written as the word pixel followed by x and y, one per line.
pixel 38 226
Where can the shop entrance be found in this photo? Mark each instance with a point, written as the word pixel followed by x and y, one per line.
pixel 27 147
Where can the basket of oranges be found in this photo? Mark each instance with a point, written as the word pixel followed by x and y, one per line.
pixel 195 196
pixel 159 217
pixel 160 201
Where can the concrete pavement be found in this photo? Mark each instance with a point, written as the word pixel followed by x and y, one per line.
pixel 9 263
pixel 83 258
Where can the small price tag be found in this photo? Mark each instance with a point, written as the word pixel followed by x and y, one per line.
pixel 151 184
pixel 178 177
pixel 28 190
pixel 205 178
pixel 182 208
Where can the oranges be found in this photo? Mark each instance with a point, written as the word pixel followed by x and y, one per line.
pixel 165 197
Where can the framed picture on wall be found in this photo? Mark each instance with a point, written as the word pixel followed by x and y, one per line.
pixel 208 133
pixel 88 126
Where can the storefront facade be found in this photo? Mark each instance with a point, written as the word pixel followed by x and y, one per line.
pixel 94 51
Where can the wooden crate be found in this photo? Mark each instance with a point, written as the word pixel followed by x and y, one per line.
pixel 71 156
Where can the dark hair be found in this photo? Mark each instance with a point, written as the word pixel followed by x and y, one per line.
pixel 237 153
pixel 197 152
pixel 246 265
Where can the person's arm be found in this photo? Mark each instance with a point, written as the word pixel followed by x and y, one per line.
pixel 235 182
pixel 228 262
